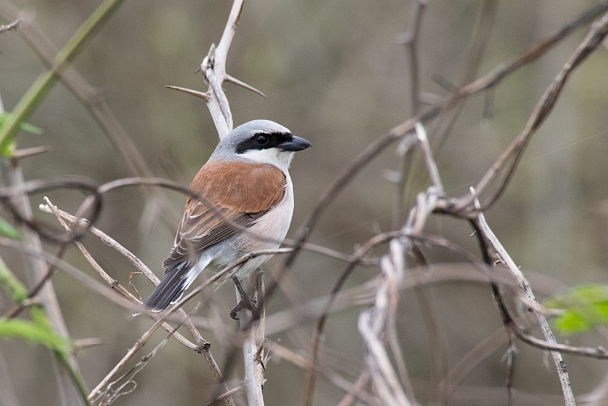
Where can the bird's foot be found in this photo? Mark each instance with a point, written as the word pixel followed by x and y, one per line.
pixel 245 303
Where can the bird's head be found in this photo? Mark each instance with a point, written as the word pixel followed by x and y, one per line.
pixel 261 141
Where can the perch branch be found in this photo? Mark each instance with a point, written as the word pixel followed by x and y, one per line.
pixel 213 68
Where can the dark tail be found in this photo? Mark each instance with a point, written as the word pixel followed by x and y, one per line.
pixel 169 290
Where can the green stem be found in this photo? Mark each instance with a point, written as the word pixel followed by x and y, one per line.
pixel 18 292
pixel 45 82
pixel 12 286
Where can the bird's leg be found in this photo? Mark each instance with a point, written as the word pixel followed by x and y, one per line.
pixel 244 303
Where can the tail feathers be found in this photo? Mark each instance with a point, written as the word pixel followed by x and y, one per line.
pixel 170 289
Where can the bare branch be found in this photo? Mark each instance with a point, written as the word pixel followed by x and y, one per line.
pixel 514 152
pixel 71 385
pixel 431 165
pixel 525 286
pixel 201 344
pixel 410 42
pixel 301 362
pixel 253 347
pixel 94 101
pixel 213 68
pixel 484 83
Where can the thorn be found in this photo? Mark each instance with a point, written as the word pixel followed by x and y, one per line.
pixel 10 27
pixel 28 152
pixel 445 84
pixel 227 394
pixel 404 38
pixel 245 85
pixel 392 176
pixel 84 343
pixel 190 91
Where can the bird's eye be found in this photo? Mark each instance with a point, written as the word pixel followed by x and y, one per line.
pixel 261 139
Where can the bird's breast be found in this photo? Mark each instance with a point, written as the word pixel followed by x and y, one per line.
pixel 272 226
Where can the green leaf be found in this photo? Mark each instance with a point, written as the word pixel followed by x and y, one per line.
pixel 571 323
pixel 7 230
pixel 28 128
pixel 584 308
pixel 7 150
pixel 601 308
pixel 32 129
pixel 33 332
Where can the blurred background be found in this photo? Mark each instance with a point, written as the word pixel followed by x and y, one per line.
pixel 334 73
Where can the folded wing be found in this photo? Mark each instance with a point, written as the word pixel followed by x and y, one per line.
pixel 225 197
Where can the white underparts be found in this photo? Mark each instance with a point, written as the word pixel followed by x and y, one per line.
pixel 274 156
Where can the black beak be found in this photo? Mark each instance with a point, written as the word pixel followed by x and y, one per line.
pixel 295 144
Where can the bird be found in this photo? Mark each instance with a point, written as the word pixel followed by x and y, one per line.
pixel 241 201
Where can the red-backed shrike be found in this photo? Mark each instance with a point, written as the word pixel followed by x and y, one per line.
pixel 245 182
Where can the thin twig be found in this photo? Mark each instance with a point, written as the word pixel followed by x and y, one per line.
pixel 34 96
pixel 542 321
pixel 113 283
pixel 431 165
pixel 70 382
pixel 97 106
pixel 410 42
pixel 543 108
pixel 99 390
pixel 479 39
pixel 333 377
pixel 360 383
pixel 201 345
pixel 480 85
